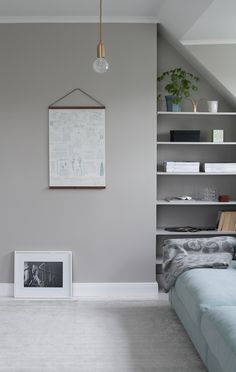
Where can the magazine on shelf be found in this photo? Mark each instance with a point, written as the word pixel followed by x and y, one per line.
pixel 180 200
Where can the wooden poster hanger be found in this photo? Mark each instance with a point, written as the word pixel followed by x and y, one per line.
pixel 52 105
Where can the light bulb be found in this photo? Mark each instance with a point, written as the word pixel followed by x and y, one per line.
pixel 100 65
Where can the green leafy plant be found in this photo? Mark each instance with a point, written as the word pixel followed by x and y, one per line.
pixel 179 83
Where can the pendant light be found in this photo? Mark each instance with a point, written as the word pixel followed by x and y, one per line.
pixel 100 65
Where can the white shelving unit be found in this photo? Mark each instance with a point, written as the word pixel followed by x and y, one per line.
pixel 196 143
pixel 162 232
pixel 197 113
pixel 195 174
pixel 198 210
pixel 195 202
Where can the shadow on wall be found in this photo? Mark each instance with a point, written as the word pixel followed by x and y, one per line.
pixel 131 267
pixel 6 261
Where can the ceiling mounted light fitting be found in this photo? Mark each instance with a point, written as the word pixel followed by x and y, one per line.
pixel 100 65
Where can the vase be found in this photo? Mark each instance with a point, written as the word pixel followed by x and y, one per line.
pixel 170 106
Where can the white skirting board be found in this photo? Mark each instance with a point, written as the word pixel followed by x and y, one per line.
pixel 138 291
pixel 103 291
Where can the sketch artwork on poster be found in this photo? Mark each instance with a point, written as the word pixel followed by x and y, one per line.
pixel 77 147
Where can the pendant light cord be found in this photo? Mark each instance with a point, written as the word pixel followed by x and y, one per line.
pixel 100 20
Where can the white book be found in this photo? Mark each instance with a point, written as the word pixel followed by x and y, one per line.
pixel 220 167
pixel 182 166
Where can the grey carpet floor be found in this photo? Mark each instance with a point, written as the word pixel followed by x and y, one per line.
pixel 89 336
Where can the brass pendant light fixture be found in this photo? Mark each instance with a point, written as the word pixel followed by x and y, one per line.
pixel 100 65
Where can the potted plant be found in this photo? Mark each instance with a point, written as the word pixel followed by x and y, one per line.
pixel 179 84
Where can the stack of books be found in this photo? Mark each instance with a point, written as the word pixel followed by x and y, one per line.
pixel 220 167
pixel 227 221
pixel 182 166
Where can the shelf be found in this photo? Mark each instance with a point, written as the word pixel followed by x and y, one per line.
pixel 197 202
pixel 194 174
pixel 159 260
pixel 197 113
pixel 197 143
pixel 162 232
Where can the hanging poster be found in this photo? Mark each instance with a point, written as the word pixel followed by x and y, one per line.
pixel 77 147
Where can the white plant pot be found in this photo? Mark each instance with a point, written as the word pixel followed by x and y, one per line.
pixel 212 106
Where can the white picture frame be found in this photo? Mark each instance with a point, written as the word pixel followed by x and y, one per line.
pixel 43 274
pixel 77 147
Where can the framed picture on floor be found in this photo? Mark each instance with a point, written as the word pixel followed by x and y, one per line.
pixel 43 274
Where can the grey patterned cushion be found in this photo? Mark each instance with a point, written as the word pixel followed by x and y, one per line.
pixel 184 254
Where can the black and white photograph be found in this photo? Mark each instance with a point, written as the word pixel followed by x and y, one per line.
pixel 43 274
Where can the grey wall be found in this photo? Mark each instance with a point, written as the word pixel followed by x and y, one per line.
pixel 111 232
pixel 219 59
pixel 168 58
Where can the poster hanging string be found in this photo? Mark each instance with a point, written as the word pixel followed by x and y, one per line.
pixel 71 92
